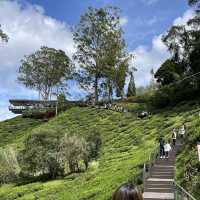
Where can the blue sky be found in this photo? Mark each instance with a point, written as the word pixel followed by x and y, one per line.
pixel 146 18
pixel 33 23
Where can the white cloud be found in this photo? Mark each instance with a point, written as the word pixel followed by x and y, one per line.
pixel 147 58
pixel 28 29
pixel 184 19
pixel 123 20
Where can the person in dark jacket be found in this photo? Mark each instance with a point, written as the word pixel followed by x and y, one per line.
pixel 162 150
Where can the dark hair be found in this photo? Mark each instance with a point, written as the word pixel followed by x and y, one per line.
pixel 127 191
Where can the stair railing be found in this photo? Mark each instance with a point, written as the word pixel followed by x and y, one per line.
pixel 149 164
pixel 181 193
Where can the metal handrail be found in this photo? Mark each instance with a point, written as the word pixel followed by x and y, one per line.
pixel 183 195
pixel 147 170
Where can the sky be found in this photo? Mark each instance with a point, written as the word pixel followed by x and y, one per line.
pixel 31 24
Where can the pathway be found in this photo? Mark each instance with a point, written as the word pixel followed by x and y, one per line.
pixel 160 183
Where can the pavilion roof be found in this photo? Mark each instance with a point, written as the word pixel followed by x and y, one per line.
pixel 29 102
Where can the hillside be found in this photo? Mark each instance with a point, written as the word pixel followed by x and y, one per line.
pixel 127 143
pixel 14 130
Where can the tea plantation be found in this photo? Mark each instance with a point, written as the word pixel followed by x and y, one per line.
pixel 126 145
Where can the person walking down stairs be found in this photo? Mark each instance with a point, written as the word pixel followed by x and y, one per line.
pixel 182 132
pixel 174 135
pixel 162 150
pixel 167 148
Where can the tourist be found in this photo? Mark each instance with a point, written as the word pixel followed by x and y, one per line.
pixel 167 148
pixel 182 131
pixel 127 191
pixel 174 136
pixel 162 150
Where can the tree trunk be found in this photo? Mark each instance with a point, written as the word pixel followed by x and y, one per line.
pixel 96 89
pixel 110 91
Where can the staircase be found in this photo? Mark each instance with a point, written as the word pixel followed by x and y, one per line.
pixel 160 182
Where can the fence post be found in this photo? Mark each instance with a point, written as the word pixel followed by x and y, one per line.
pixel 144 174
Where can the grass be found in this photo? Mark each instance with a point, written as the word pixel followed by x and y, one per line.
pixel 14 130
pixel 127 143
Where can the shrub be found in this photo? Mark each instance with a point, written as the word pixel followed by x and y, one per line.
pixel 94 144
pixel 160 99
pixel 40 154
pixel 9 168
pixel 73 151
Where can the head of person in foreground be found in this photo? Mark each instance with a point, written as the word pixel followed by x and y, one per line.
pixel 127 191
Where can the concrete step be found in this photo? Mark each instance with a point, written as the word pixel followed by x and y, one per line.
pixel 157 169
pixel 164 166
pixel 165 162
pixel 170 159
pixel 162 177
pixel 151 185
pixel 156 196
pixel 155 172
pixel 160 171
pixel 159 180
pixel 164 173
pixel 160 190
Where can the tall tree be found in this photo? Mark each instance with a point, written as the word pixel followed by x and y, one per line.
pixel 178 42
pixel 131 86
pixel 169 72
pixel 45 70
pixel 116 63
pixel 3 36
pixel 194 2
pixel 91 34
pixel 120 78
pixel 152 81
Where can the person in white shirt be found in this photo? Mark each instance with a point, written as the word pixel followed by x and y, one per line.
pixel 174 136
pixel 182 131
pixel 167 148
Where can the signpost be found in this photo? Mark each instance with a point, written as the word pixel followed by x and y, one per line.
pixel 198 148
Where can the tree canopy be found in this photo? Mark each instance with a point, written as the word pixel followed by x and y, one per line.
pixel 169 72
pixel 179 75
pixel 40 154
pixel 100 48
pixel 193 2
pixel 3 36
pixel 131 87
pixel 46 70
